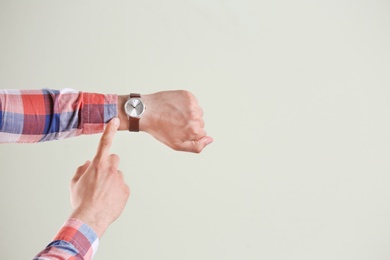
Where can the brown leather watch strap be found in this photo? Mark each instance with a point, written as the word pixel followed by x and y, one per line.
pixel 133 121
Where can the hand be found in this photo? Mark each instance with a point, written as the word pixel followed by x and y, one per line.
pixel 174 118
pixel 98 191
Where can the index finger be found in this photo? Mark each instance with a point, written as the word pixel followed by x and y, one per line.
pixel 106 139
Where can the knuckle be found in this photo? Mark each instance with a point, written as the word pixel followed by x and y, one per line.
pixel 201 123
pixel 194 113
pixel 188 96
pixel 112 169
pixel 193 131
pixel 197 149
pixel 185 93
pixel 114 157
pixel 200 112
pixel 176 147
pixel 126 191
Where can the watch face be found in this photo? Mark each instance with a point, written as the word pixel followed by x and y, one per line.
pixel 134 107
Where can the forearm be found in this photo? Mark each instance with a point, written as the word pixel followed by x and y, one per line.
pixel 29 116
pixel 75 240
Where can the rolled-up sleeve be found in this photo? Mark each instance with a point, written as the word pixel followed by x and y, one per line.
pixel 75 240
pixel 30 116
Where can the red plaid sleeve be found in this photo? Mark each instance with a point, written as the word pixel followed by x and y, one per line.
pixel 75 240
pixel 29 116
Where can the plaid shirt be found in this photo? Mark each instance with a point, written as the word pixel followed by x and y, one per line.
pixel 29 116
pixel 74 241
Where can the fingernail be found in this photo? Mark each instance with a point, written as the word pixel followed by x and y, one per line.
pixel 115 121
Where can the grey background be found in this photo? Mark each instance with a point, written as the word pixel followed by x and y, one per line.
pixel 295 93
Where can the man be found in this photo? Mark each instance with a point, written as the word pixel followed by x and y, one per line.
pixel 98 191
pixel 98 196
pixel 172 117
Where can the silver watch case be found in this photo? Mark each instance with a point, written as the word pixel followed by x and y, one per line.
pixel 134 107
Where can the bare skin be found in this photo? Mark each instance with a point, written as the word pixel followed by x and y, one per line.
pixel 98 191
pixel 173 118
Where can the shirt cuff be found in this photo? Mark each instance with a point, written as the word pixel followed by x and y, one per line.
pixel 81 236
pixel 97 110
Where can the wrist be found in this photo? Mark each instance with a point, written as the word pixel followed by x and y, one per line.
pixel 124 124
pixel 91 220
pixel 145 120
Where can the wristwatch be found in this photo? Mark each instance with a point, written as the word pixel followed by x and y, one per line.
pixel 134 108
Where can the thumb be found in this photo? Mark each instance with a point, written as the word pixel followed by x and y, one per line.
pixel 197 146
pixel 80 170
